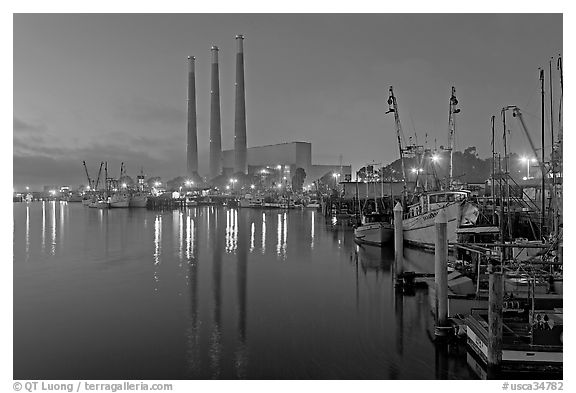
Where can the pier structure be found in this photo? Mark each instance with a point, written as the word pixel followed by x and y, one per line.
pixel 240 148
pixel 215 130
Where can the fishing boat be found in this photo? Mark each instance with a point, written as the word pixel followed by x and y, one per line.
pixel 313 204
pixel 138 199
pixel 418 222
pixel 120 199
pixel 190 201
pixel 256 203
pixel 375 229
pixel 532 342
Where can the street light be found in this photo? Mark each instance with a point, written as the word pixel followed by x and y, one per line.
pixel 435 158
pixel 252 186
pixel 527 161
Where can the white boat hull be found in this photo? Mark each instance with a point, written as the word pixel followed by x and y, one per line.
pixel 377 233
pixel 420 230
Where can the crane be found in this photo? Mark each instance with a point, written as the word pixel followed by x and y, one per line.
pixel 98 179
pixel 90 181
pixel 393 108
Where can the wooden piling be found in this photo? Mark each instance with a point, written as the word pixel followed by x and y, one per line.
pixel 398 240
pixel 495 298
pixel 441 272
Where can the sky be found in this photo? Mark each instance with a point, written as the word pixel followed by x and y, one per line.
pixel 112 87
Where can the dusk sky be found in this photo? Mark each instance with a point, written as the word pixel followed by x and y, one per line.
pixel 100 87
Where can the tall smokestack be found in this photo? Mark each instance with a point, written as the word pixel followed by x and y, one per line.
pixel 240 115
pixel 215 136
pixel 192 147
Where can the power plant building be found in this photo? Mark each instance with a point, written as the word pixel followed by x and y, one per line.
pixel 290 156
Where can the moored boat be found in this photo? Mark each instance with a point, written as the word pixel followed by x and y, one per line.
pixel 119 200
pixel 418 222
pixel 375 229
pixel 139 199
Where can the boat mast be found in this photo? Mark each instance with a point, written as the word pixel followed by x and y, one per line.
pixel 393 107
pixel 506 172
pixel 451 131
pixel 98 179
pixel 552 155
pixel 493 173
pixel 90 181
pixel 543 213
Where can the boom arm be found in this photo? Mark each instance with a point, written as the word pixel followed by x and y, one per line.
pixel 90 183
pixel 98 179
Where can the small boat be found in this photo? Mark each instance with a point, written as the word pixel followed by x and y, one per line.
pixel 191 201
pixel 313 204
pixel 532 342
pixel 256 203
pixel 375 229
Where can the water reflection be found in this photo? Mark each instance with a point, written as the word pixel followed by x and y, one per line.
pixel 278 324
pixel 231 230
pixel 43 226
pixel 242 274
pixel 53 232
pixel 193 335
pixel 157 249
pixel 263 233
pixel 27 231
pixel 216 336
pixel 312 224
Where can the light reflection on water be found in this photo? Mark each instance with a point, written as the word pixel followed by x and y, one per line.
pixel 317 305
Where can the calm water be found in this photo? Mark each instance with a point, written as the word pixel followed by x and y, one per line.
pixel 212 293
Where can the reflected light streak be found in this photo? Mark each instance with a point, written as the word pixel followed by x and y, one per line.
pixel 27 232
pixel 285 238
pixel 235 236
pixel 157 238
pixel 252 229
pixel 43 226
pixel 263 233
pixel 63 207
pixel 53 234
pixel 180 237
pixel 312 229
pixel 279 235
pixel 189 237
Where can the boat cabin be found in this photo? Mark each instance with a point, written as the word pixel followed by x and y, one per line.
pixel 434 201
pixel 375 217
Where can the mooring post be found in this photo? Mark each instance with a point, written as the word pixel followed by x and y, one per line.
pixel 398 239
pixel 494 320
pixel 441 271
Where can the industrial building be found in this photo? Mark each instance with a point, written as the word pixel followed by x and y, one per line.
pixel 280 160
pixel 289 156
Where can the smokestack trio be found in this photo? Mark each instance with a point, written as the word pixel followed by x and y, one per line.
pixel 240 146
